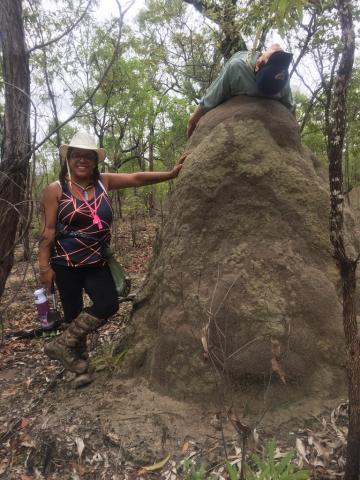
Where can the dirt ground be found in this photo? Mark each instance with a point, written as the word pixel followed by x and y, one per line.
pixel 119 428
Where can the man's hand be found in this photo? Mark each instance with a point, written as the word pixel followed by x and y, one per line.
pixel 264 57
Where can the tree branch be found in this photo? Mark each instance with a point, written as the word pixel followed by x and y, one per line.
pixel 62 35
pixel 112 61
pixel 202 7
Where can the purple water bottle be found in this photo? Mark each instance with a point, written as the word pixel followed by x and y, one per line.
pixel 42 307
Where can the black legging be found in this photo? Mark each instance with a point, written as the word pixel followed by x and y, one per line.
pixel 97 283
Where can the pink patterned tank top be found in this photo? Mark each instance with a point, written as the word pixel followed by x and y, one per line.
pixel 79 241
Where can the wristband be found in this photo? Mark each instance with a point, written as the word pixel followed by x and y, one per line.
pixel 44 269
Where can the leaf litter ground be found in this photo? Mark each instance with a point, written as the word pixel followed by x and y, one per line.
pixel 120 429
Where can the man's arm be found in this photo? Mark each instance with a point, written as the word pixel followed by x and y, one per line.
pixel 194 118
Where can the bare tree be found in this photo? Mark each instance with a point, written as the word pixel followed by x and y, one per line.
pixel 15 148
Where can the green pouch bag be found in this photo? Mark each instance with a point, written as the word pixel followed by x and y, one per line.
pixel 121 280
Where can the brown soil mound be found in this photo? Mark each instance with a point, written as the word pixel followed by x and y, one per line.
pixel 241 293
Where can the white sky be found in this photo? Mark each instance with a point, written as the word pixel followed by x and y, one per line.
pixel 109 7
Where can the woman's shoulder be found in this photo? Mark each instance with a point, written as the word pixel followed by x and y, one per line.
pixel 53 190
pixel 104 181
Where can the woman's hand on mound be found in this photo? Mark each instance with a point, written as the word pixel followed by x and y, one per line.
pixel 178 165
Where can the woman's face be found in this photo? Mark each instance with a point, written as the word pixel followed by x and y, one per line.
pixel 82 162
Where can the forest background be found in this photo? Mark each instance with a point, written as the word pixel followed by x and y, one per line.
pixel 132 80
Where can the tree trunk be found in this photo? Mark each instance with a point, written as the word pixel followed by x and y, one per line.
pixel 151 194
pixel 348 274
pixel 232 41
pixel 224 15
pixel 25 221
pixel 336 130
pixel 16 141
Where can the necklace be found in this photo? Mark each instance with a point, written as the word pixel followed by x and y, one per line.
pixel 83 189
pixel 93 210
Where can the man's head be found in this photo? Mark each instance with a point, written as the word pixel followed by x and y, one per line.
pixel 271 70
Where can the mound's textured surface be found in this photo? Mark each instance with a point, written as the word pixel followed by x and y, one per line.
pixel 244 256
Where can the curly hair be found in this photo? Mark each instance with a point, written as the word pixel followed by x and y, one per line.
pixel 63 171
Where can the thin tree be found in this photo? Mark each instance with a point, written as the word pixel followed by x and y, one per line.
pixel 346 264
pixel 15 146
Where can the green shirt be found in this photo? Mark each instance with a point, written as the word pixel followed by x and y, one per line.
pixel 237 77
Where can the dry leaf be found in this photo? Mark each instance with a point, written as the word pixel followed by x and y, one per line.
pixel 205 345
pixel 279 454
pixel 275 359
pixel 24 423
pixel 113 439
pixel 156 466
pixel 27 441
pixel 96 458
pixel 322 451
pixel 185 448
pixel 10 392
pixel 300 447
pixel 78 468
pixel 80 446
pixel 29 381
pixel 318 463
pixel 3 466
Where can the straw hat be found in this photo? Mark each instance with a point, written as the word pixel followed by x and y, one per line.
pixel 84 141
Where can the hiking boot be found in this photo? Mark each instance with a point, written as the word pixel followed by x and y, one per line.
pixel 58 350
pixel 65 348
pixel 80 349
pixel 82 325
pixel 82 380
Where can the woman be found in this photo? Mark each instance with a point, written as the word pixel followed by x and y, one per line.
pixel 77 223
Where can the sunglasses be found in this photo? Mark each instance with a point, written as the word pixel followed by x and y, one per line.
pixel 90 156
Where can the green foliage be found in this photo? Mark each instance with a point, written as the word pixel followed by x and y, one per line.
pixel 314 132
pixel 192 471
pixel 167 59
pixel 134 203
pixel 268 468
pixel 106 360
pixel 185 50
pixel 352 142
pixel 287 12
pixel 232 471
pixel 132 110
